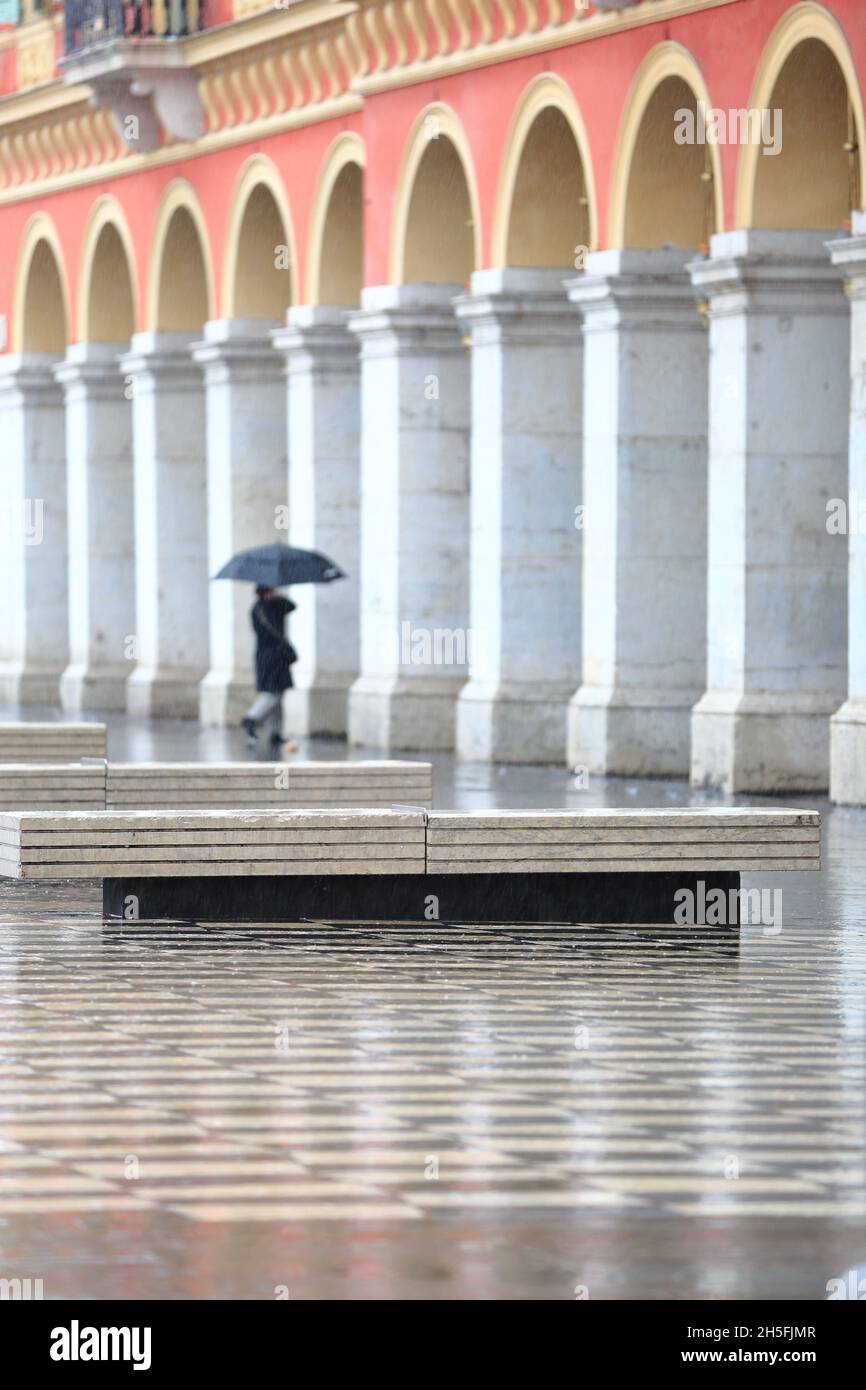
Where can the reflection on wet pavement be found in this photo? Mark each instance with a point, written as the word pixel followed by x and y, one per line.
pixel 384 1111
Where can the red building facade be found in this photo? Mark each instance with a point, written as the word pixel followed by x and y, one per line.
pixel 272 159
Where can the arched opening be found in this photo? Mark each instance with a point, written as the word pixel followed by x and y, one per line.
pixel 44 326
pixel 263 265
pixel 549 217
pixel 439 245
pixel 182 293
pixel 670 198
pixel 341 271
pixel 34 574
pixel 110 307
pixel 813 181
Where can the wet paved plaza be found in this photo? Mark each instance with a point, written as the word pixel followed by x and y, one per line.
pixel 325 1111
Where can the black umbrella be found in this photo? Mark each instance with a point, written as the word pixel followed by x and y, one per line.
pixel 276 566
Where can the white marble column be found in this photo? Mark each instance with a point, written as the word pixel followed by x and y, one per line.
pixel 777 610
pixel 644 524
pixel 324 409
pixel 100 506
pixel 34 623
pixel 414 518
pixel 848 725
pixel 245 394
pixel 525 538
pixel 171 561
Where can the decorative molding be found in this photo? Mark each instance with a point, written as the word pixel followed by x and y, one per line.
pixel 247 93
pixel 409 41
pixel 91 169
pixel 273 24
pixel 146 85
pixel 55 150
pixel 275 79
pixel 274 69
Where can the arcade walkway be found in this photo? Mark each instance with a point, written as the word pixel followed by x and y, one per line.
pixel 317 1111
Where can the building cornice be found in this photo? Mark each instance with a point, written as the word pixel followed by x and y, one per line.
pixel 267 25
pixel 274 70
pixel 401 49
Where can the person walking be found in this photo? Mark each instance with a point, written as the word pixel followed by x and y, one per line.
pixel 274 657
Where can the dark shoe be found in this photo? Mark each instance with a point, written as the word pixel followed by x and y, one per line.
pixel 249 729
pixel 278 743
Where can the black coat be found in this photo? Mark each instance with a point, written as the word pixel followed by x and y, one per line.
pixel 274 653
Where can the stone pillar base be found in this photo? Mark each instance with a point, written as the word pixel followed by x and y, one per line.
pixel 761 742
pixel 513 721
pixel 318 705
pixel 405 716
pixel 29 685
pixel 167 694
pixel 223 699
pixel 848 754
pixel 630 732
pixel 94 688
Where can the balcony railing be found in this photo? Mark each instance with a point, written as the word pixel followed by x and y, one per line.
pixel 92 22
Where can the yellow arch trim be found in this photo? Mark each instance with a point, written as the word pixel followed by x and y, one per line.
pixel 544 91
pixel 257 170
pixel 178 194
pixel 106 212
pixel 348 148
pixel 805 21
pixel 39 228
pixel 667 59
pixel 451 129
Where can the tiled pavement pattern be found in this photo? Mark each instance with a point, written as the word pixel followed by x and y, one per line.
pixel 438 1112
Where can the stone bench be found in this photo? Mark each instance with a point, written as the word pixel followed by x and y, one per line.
pixel 622 841
pixel 225 786
pixel 51 743
pixel 278 785
pixel 61 787
pixel 406 865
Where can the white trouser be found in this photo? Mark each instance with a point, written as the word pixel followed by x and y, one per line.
pixel 267 706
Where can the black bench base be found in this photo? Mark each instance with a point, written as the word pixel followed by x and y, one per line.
pixel 470 899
